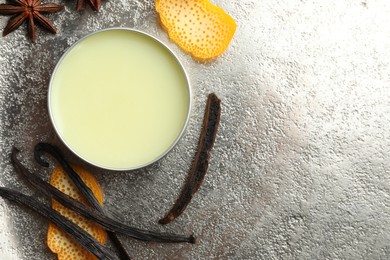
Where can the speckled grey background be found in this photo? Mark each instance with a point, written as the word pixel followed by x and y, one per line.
pixel 301 165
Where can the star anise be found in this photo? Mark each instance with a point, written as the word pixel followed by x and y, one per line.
pixel 95 4
pixel 29 10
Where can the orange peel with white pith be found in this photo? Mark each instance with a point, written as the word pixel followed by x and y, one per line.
pixel 197 26
pixel 59 242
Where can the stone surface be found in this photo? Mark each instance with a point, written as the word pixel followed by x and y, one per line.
pixel 301 165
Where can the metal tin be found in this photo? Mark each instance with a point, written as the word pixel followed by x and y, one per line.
pixel 187 83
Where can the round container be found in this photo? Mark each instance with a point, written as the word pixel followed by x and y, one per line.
pixel 119 99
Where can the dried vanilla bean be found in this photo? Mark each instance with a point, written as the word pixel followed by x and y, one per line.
pixel 201 161
pixel 93 214
pixel 74 231
pixel 40 148
pixel 122 253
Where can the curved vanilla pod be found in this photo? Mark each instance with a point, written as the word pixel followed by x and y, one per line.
pixel 41 148
pixel 93 214
pixel 200 163
pixel 74 231
pixel 56 153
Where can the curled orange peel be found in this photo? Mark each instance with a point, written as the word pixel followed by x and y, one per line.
pixel 197 26
pixel 59 242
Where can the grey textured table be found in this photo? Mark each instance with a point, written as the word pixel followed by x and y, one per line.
pixel 301 165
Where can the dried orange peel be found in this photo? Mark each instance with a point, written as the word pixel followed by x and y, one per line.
pixel 197 26
pixel 60 243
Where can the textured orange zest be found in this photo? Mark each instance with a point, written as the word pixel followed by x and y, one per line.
pixel 58 242
pixel 197 26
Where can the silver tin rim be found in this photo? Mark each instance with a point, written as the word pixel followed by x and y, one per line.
pixel 189 101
